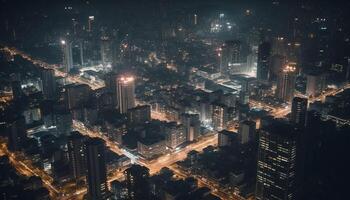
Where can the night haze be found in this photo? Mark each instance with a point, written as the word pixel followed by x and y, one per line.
pixel 174 99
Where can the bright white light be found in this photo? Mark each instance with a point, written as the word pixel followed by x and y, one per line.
pixel 127 79
pixel 63 42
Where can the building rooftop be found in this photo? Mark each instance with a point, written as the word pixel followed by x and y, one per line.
pixel 281 128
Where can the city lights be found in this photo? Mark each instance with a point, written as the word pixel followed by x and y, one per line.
pixel 187 100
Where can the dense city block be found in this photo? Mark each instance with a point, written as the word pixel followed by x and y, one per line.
pixel 174 99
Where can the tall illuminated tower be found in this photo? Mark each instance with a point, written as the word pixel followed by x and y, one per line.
pixel 286 83
pixel 125 93
pixel 90 23
pixel 96 169
pixel 195 19
pixel 277 162
pixel 67 55
pixel 299 111
pixel 77 154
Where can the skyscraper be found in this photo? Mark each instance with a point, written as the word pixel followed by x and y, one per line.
pixel 192 126
pixel 299 111
pixel 263 68
pixel 67 55
pixel 277 154
pixel 48 81
pixel 227 138
pixel 315 83
pixel 125 93
pixel 244 93
pixel 219 116
pixel 277 63
pixel 106 51
pixel 247 131
pixel 278 46
pixel 91 20
pixel 286 83
pixel 96 169
pixel 137 182
pixel 347 75
pixel 139 114
pixel 81 52
pixel 17 91
pixel 16 133
pixel 174 134
pixel 77 95
pixel 230 55
pixel 76 153
pixel 111 86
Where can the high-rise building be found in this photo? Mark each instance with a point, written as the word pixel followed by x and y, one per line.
pixel 315 84
pixel 91 20
pixel 277 166
pixel 252 59
pixel 76 153
pixel 67 55
pixel 16 133
pixel 195 19
pixel 175 135
pixel 81 52
pixel 228 99
pixel 299 111
pixel 227 138
pixel 219 116
pixel 32 114
pixel 17 91
pixel 263 68
pixel 137 182
pixel 116 130
pixel 49 88
pixel 247 131
pixel 151 147
pixel 96 169
pixel 77 95
pixel 139 114
pixel 62 119
pixel 278 46
pixel 111 87
pixel 244 93
pixel 125 93
pixel 205 112
pixel 192 126
pixel 286 83
pixel 106 51
pixel 230 55
pixel 277 62
pixel 347 74
pixel 118 190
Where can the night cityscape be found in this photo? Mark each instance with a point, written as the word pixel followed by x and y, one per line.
pixel 174 99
